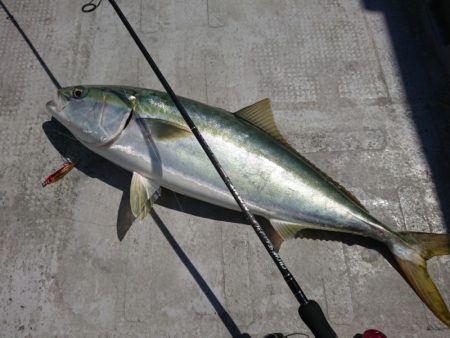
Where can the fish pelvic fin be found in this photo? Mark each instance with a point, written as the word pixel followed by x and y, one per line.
pixel 143 193
pixel 412 260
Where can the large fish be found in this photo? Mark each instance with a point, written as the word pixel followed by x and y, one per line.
pixel 141 131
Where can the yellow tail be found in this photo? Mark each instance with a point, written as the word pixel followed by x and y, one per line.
pixel 414 268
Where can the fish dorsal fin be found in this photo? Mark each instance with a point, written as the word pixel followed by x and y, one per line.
pixel 260 115
pixel 143 193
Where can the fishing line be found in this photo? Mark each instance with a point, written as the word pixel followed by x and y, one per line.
pixel 309 310
pixel 68 165
pixel 35 52
pixel 90 6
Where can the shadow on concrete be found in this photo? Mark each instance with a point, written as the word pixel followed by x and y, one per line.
pixel 350 240
pixel 425 84
pixel 97 167
pixel 423 91
pixel 93 166
pixel 220 310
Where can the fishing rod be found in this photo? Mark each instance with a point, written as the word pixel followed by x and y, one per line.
pixel 325 332
pixel 309 310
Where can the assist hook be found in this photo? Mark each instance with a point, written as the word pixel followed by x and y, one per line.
pixel 90 6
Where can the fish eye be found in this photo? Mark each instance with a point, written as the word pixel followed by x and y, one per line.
pixel 78 92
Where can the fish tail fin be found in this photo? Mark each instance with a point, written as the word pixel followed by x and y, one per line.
pixel 412 260
pixel 431 244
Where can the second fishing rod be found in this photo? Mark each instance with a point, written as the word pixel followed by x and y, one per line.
pixel 309 310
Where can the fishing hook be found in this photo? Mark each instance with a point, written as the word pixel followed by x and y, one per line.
pixel 90 6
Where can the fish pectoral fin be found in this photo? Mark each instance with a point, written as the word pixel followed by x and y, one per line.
pixel 165 130
pixel 143 193
pixel 287 229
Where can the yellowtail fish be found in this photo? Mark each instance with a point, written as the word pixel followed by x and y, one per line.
pixel 141 131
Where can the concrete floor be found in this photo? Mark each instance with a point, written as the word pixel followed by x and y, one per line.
pixel 354 87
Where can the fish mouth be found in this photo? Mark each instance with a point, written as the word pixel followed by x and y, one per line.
pixel 56 107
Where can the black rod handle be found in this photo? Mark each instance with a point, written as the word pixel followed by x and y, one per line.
pixel 314 318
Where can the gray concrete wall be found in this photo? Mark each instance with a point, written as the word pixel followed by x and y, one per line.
pixel 351 89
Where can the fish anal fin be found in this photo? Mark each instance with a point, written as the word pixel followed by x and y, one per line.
pixel 143 193
pixel 273 235
pixel 260 115
pixel 165 130
pixel 287 229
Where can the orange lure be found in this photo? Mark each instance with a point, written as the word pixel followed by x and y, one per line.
pixel 58 174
